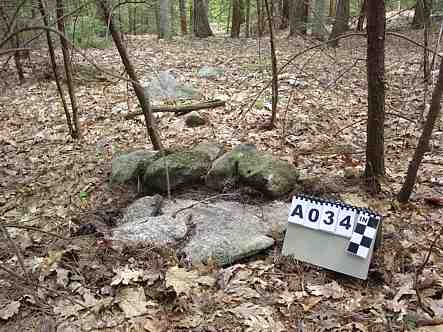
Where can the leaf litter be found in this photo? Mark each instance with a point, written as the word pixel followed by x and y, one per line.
pixel 49 181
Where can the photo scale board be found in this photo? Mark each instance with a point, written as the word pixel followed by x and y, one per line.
pixel 333 235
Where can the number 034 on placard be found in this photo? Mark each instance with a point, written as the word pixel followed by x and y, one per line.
pixel 331 217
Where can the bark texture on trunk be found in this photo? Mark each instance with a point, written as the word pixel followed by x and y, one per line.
pixel 423 143
pixel 54 69
pixel 274 67
pixel 68 70
pixel 140 92
pixel 340 24
pixel 164 20
pixel 247 18
pixel 361 17
pixel 318 19
pixel 236 19
pixel 183 24
pixel 419 15
pixel 297 17
pixel 201 25
pixel 376 90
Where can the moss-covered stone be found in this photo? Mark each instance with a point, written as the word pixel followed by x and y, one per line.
pixel 260 171
pixel 129 166
pixel 184 168
pixel 194 119
pixel 226 166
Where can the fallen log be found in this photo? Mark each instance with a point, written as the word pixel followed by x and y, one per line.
pixel 180 110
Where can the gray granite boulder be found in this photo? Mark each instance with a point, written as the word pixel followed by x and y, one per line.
pixel 166 87
pixel 184 168
pixel 222 232
pixel 258 170
pixel 129 166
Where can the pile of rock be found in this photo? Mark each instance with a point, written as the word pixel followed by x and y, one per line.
pixel 206 163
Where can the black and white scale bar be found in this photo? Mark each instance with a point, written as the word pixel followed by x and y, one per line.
pixel 364 234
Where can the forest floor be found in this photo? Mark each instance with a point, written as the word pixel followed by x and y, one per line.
pixel 55 184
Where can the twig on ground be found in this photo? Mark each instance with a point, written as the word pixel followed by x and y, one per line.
pixel 203 201
pixel 180 109
pixel 16 250
pixel 348 126
pixel 419 271
pixel 34 229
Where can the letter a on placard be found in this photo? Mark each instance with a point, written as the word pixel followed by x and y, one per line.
pixel 296 212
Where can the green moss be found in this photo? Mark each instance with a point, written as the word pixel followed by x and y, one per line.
pixel 186 167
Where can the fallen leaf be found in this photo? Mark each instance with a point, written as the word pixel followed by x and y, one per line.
pixel 257 318
pixel 182 281
pixel 310 302
pixel 436 328
pixel 9 310
pixel 132 301
pixel 126 275
pixel 190 321
pixel 62 276
pixel 153 325
pixel 50 263
pixel 436 201
pixel 331 290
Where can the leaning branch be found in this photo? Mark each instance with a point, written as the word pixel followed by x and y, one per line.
pixel 180 110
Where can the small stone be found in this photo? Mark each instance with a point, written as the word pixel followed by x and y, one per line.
pixel 194 119
pixel 210 72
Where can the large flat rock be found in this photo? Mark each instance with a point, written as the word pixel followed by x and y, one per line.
pixel 222 232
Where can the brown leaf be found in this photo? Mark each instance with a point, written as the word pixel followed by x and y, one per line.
pixel 9 310
pixel 183 281
pixel 436 201
pixel 132 301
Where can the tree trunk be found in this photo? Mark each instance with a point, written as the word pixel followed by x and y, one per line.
pixel 259 19
pixel 17 60
pixel 156 14
pixel 10 24
pixel 419 15
pixel 54 69
pixel 297 17
pixel 248 18
pixel 236 19
pixel 361 17
pixel 426 30
pixel 347 13
pixel 274 67
pixel 423 143
pixel 172 18
pixel 332 8
pixel 285 14
pixel 165 25
pixel 68 70
pixel 201 21
pixel 340 23
pixel 18 63
pixel 318 17
pixel 183 25
pixel 140 92
pixel 191 16
pixel 376 90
